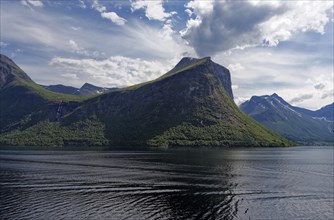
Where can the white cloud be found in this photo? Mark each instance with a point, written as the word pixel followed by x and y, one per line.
pixel 74 28
pixel 239 100
pixel 114 18
pixel 73 45
pixel 70 75
pixel 3 44
pixel 154 10
pixel 299 17
pixel 32 3
pixel 235 67
pixel 82 4
pixel 98 7
pixel 116 71
pixel 286 72
pixel 225 25
pixel 82 51
pixel 189 12
pixel 200 7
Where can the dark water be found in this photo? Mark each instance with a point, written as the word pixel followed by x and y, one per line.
pixel 281 183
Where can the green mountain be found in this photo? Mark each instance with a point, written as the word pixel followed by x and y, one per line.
pixel 22 100
pixel 292 122
pixel 191 105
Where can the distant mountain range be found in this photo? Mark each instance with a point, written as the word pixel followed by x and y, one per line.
pixel 191 105
pixel 86 90
pixel 297 124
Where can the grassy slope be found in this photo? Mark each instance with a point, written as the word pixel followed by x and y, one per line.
pixel 48 133
pixel 240 131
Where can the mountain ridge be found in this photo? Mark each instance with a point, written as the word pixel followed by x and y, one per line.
pixel 289 121
pixel 188 106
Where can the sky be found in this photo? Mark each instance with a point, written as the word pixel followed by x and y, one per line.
pixel 283 47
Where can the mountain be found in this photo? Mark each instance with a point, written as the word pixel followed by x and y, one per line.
pixel 61 89
pixel 86 90
pixel 22 100
pixel 89 89
pixel 291 122
pixel 189 106
pixel 324 113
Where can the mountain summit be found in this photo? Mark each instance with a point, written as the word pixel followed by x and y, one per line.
pixel 10 72
pixel 292 122
pixel 191 105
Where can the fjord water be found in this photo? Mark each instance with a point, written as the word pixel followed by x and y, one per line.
pixel 257 183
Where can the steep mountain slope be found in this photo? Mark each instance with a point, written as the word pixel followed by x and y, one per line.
pixel 288 121
pixel 22 101
pixel 188 106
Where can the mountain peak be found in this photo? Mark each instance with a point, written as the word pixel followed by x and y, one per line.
pixel 10 72
pixel 275 95
pixel 294 123
pixel 204 66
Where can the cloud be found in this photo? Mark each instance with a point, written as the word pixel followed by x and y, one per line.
pixel 82 4
pixel 74 28
pixel 301 98
pixel 3 44
pixel 32 3
pixel 189 12
pixel 328 94
pixel 240 100
pixel 49 35
pixel 200 8
pixel 79 50
pixel 117 71
pixel 235 67
pixel 98 7
pixel 70 75
pixel 286 72
pixel 154 10
pixel 73 45
pixel 319 86
pixel 226 25
pixel 114 18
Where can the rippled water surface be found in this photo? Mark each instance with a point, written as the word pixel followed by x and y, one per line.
pixel 280 183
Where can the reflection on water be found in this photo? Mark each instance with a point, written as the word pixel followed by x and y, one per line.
pixel 292 183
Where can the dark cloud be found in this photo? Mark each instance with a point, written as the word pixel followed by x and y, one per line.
pixel 301 98
pixel 319 86
pixel 231 24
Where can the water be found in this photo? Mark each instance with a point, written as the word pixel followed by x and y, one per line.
pixel 280 183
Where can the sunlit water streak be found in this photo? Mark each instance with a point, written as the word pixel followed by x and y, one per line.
pixel 277 183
